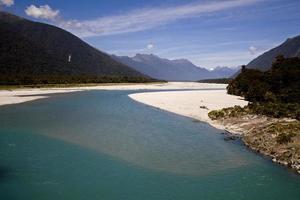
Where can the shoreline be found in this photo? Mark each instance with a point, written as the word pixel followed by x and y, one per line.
pixel 252 129
pixel 195 101
pixel 193 104
pixel 15 96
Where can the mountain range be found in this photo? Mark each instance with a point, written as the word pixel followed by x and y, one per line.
pixel 290 48
pixel 33 50
pixel 184 70
pixel 30 48
pixel 172 70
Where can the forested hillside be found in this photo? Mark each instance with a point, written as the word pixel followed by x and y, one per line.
pixel 275 92
pixel 37 53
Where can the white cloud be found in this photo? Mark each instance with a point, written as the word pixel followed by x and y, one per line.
pixel 252 50
pixel 137 20
pixel 42 12
pixel 7 3
pixel 150 46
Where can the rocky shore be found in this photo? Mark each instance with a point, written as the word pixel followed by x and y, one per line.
pixel 276 138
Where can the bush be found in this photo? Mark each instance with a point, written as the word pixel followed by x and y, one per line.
pixel 216 114
pixel 280 84
pixel 275 93
pixel 277 110
pixel 284 138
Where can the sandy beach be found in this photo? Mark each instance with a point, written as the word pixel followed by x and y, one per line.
pixel 194 104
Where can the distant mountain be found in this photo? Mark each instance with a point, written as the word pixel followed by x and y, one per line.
pixel 172 70
pixel 290 48
pixel 30 48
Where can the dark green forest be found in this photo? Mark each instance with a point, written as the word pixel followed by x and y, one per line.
pixel 275 92
pixel 15 80
pixel 217 80
pixel 36 53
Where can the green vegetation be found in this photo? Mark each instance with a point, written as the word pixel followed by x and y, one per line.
pixel 235 111
pixel 219 80
pixel 8 80
pixel 34 53
pixel 12 87
pixel 275 93
pixel 279 84
pixel 284 131
pixel 284 138
pixel 276 110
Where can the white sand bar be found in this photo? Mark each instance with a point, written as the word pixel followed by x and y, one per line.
pixel 189 103
pixel 23 95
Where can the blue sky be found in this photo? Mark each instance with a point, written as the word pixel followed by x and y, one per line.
pixel 209 33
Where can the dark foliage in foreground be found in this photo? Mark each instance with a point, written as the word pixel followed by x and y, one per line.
pixel 279 84
pixel 275 92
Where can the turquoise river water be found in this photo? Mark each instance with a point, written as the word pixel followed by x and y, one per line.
pixel 103 145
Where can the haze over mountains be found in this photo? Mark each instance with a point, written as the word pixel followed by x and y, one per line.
pixel 172 70
pixel 30 48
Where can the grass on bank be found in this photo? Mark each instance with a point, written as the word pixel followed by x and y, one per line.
pixel 70 85
pixel 216 81
pixel 276 110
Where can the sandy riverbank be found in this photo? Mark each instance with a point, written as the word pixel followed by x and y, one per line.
pixel 194 104
pixel 23 95
pixel 258 132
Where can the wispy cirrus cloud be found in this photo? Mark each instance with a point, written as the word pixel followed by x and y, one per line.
pixel 143 19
